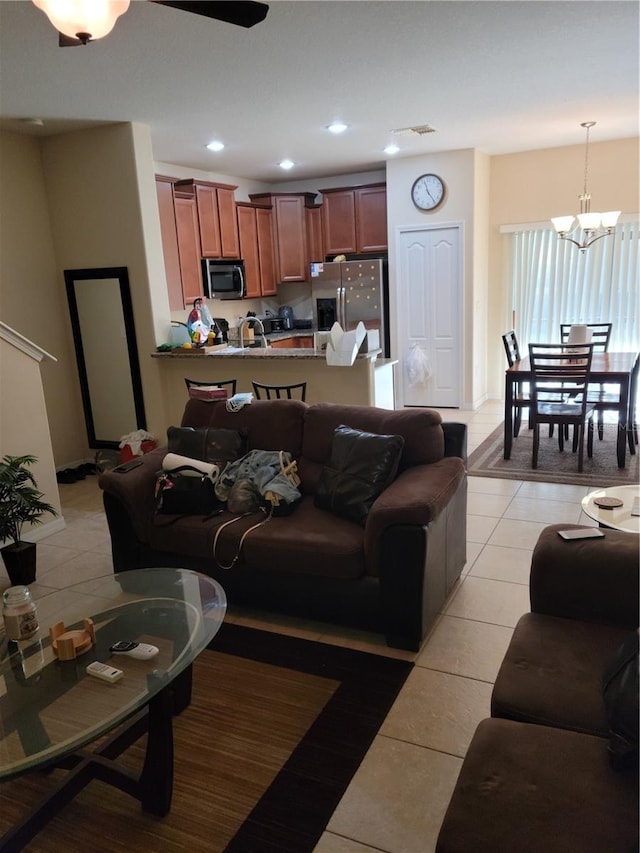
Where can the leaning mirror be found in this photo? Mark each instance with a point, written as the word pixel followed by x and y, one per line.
pixel 105 342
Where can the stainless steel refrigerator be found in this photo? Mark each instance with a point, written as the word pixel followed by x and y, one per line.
pixel 350 292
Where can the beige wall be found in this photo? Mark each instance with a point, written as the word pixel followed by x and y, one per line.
pixel 32 295
pixel 24 427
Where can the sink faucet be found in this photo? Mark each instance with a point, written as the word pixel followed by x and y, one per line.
pixel 263 340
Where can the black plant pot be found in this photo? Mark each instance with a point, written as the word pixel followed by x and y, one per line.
pixel 20 562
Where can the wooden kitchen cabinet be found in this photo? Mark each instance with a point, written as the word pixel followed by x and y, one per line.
pixel 166 211
pixel 315 242
pixel 264 226
pixel 297 342
pixel 217 223
pixel 188 247
pixel 256 246
pixel 354 219
pixel 290 233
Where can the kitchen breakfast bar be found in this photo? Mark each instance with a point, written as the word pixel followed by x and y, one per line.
pixel 367 382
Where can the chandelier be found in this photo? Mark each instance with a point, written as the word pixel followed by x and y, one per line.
pixel 594 226
pixel 84 20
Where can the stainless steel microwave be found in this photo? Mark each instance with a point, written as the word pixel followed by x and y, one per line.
pixel 223 279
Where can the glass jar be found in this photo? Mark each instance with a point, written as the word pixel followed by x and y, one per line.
pixel 20 616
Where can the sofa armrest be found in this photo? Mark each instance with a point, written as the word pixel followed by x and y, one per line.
pixel 135 489
pixel 416 497
pixel 594 580
pixel 455 439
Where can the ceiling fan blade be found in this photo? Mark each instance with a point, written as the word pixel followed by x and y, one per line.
pixel 242 13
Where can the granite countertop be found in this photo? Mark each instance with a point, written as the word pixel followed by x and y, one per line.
pixel 224 351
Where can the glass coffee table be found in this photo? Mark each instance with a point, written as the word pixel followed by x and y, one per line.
pixel 618 518
pixel 51 709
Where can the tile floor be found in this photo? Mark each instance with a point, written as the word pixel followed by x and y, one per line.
pixel 396 801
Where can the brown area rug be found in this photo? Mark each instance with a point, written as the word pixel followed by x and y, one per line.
pixel 553 467
pixel 275 731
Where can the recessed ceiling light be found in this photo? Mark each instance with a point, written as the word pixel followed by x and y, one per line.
pixel 286 164
pixel 216 145
pixel 337 127
pixel 391 149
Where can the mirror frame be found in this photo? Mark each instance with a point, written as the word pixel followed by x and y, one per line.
pixel 121 274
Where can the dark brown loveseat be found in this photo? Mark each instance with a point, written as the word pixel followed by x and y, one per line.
pixel 391 575
pixel 537 777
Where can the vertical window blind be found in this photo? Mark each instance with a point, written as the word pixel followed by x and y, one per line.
pixel 554 283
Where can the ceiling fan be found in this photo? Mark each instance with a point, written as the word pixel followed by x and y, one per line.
pixel 83 21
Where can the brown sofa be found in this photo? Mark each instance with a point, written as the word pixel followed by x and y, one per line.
pixel 537 777
pixel 391 575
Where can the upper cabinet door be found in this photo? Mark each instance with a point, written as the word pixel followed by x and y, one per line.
pixel 339 221
pixel 208 220
pixel 315 243
pixel 264 227
pixel 371 218
pixel 249 246
pixel 166 211
pixel 291 251
pixel 229 242
pixel 188 248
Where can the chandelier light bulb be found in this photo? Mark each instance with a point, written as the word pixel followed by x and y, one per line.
pixel 86 20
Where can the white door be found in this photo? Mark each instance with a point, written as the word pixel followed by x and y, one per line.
pixel 429 288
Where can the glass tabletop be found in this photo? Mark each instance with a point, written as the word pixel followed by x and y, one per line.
pixel 49 707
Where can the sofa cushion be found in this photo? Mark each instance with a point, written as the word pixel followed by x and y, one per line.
pixel 552 673
pixel 309 541
pixel 530 788
pixel 361 466
pixel 269 424
pixel 421 429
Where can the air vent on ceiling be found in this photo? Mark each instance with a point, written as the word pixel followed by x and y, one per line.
pixel 419 129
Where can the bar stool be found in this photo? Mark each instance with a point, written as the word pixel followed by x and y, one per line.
pixel 225 383
pixel 279 392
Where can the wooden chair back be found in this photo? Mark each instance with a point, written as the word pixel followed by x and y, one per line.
pixel 297 391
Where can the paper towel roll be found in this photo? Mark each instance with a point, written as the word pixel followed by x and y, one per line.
pixel 173 460
pixel 579 333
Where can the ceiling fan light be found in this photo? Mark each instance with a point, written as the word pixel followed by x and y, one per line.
pixel 589 221
pixel 610 218
pixel 93 17
pixel 563 224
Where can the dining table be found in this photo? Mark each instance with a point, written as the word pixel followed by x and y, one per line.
pixel 615 368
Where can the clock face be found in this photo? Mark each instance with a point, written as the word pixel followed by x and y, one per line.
pixel 427 192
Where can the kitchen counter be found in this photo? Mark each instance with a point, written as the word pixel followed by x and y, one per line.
pixel 367 382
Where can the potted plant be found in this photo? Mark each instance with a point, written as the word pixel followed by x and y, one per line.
pixel 20 503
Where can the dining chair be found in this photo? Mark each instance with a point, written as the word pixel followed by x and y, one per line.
pixel 521 399
pixel 280 392
pixel 230 384
pixel 554 368
pixel 604 400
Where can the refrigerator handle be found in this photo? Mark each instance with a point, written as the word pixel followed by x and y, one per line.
pixel 341 317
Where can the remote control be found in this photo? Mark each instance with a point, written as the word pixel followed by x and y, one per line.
pixel 139 651
pixel 581 533
pixel 106 673
pixel 635 508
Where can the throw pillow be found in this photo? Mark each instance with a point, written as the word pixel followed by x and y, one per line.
pixel 207 444
pixel 361 466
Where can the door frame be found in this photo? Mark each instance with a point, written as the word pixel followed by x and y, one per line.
pixel 458 226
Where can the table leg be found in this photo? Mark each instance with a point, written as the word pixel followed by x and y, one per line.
pixel 508 416
pixel 156 779
pixel 623 421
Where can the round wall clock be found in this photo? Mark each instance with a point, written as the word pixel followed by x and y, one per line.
pixel 427 192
